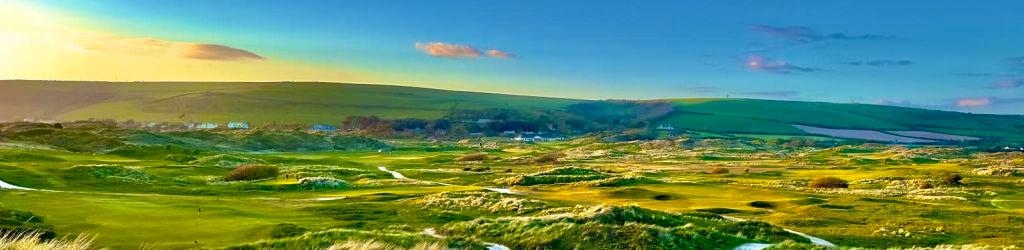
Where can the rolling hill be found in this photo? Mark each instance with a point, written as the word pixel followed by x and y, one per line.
pixel 317 102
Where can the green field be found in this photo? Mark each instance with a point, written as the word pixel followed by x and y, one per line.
pixel 671 194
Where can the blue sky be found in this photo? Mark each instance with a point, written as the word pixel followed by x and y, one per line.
pixel 952 55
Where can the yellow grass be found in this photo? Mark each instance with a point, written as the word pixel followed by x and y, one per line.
pixel 31 241
pixel 375 245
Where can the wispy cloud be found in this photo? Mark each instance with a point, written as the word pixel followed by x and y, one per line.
pixel 807 34
pixel 161 48
pixel 499 54
pixel 878 63
pixel 213 52
pixel 1008 83
pixel 449 50
pixel 760 63
pixel 976 102
pixel 973 102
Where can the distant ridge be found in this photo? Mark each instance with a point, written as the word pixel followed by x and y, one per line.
pixel 321 102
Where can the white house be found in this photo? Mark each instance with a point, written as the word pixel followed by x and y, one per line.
pixel 207 125
pixel 238 125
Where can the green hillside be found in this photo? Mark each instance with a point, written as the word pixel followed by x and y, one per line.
pixel 254 102
pixel 314 102
pixel 775 117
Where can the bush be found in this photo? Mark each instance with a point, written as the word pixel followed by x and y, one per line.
pixel 828 182
pixel 473 157
pixel 549 157
pixel 719 171
pixel 285 230
pixel 761 204
pixel 952 179
pixel 252 172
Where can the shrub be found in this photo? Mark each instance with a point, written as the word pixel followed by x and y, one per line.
pixel 549 157
pixel 828 182
pixel 719 171
pixel 285 230
pixel 952 179
pixel 473 157
pixel 761 204
pixel 252 172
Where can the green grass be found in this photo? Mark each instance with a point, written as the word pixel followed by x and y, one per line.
pixel 259 103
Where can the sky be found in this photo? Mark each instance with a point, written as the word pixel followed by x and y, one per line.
pixel 950 55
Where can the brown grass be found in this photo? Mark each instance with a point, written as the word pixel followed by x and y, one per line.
pixel 549 157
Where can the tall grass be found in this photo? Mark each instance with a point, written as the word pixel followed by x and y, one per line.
pixel 32 241
pixel 376 245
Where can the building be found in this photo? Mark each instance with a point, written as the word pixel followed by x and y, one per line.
pixel 238 125
pixel 538 137
pixel 323 128
pixel 667 127
pixel 207 125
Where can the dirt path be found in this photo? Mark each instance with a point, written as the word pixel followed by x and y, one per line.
pixel 398 175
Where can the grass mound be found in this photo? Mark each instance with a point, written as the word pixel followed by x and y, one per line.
pixel 322 183
pixel 621 181
pixel 340 237
pixel 108 172
pixel 477 200
pixel 252 172
pixel 828 182
pixel 640 193
pixel 554 176
pixel 549 157
pixel 226 161
pixel 473 157
pixel 285 230
pixel 16 222
pixel 611 227
pixel 27 157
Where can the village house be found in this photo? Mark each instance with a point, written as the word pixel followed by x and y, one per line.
pixel 323 128
pixel 238 125
pixel 538 137
pixel 667 127
pixel 207 125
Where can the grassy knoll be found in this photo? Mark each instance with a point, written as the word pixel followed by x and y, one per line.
pixel 280 102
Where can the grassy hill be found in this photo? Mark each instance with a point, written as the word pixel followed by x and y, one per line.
pixel 314 102
pixel 254 102
pixel 775 117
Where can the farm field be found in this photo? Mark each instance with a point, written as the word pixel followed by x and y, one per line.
pixel 471 194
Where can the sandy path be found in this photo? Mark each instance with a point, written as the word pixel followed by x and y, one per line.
pixel 398 175
pixel 5 185
pixel 759 246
